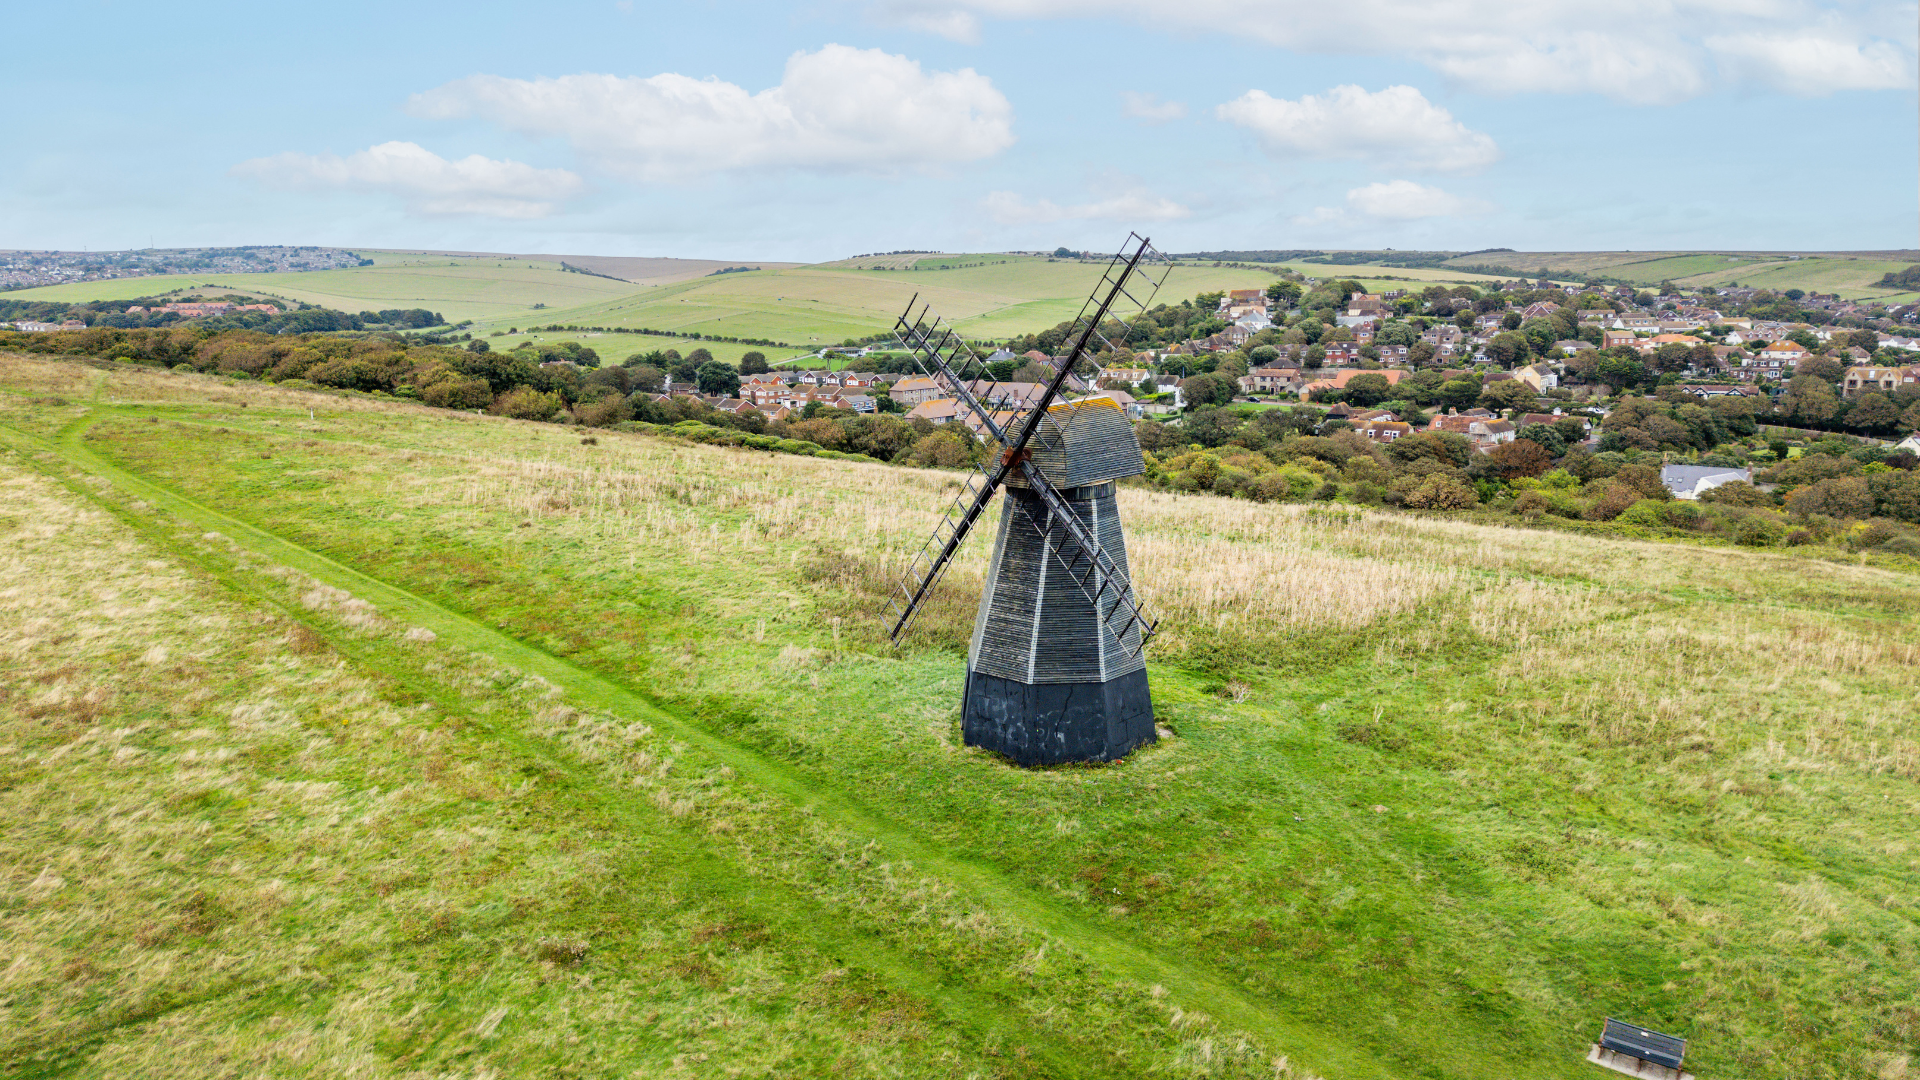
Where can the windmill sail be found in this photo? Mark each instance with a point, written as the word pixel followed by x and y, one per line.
pixel 1102 323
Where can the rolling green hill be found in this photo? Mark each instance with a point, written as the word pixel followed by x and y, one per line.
pixel 806 306
pixel 1849 274
pixel 352 737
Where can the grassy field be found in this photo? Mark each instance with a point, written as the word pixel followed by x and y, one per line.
pixel 812 306
pixel 806 306
pixel 1850 275
pixel 353 737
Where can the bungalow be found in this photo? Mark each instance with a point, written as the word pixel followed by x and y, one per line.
pixel 1586 423
pixel 1789 351
pixel 1571 346
pixel 1126 402
pixel 1385 431
pixel 1002 418
pixel 1130 376
pixel 1714 390
pixel 1688 481
pixel 1338 380
pixel 936 410
pixel 1539 309
pixel 1002 395
pixel 1483 432
pixel 1637 323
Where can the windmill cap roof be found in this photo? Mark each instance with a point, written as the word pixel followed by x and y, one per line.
pixel 1089 441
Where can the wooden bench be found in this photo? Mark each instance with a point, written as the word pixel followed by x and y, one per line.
pixel 1637 1051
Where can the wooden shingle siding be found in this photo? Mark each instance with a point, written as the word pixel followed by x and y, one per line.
pixel 1084 442
pixel 1036 624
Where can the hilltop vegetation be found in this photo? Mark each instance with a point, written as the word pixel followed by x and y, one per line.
pixel 346 736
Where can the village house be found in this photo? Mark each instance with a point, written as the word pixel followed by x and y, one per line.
pixel 1271 380
pixel 914 390
pixel 1130 376
pixel 1384 431
pixel 1128 405
pixel 1713 390
pixel 1788 351
pixel 1539 376
pixel 1483 430
pixel 1002 395
pixel 1343 352
pixel 1860 380
pixel 1338 380
pixel 1586 423
pixel 1688 481
pixel 936 410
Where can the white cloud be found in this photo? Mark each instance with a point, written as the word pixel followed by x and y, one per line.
pixel 1008 208
pixel 1404 200
pixel 1150 108
pixel 839 109
pixel 1397 124
pixel 1394 200
pixel 1812 66
pixel 1639 51
pixel 952 24
pixel 430 183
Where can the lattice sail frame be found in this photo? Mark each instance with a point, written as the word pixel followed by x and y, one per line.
pixel 1126 290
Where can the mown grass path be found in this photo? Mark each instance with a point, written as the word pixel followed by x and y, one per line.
pixel 586 689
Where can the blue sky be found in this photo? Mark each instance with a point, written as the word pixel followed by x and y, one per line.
pixel 817 131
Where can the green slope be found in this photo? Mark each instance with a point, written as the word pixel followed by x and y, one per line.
pixel 1437 796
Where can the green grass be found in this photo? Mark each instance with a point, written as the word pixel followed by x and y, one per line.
pixel 806 306
pixel 1431 786
pixel 1847 274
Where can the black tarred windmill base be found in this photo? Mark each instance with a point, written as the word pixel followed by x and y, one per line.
pixel 1055 670
pixel 1048 679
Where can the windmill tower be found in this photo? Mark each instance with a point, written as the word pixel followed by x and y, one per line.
pixel 1055 670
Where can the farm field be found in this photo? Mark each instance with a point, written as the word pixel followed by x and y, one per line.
pixel 813 306
pixel 1848 274
pixel 352 737
pixel 806 306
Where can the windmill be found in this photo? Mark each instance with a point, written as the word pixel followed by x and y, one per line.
pixel 1055 668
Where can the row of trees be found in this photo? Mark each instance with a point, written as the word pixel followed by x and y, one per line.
pixel 1835 492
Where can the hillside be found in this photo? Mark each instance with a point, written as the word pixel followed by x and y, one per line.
pixel 1853 275
pixel 345 736
pixel 805 306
